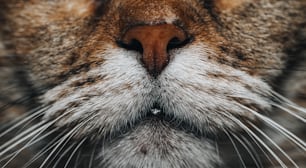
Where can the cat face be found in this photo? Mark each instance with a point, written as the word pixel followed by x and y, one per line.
pixel 150 82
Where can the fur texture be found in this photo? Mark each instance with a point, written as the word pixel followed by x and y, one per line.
pixel 234 96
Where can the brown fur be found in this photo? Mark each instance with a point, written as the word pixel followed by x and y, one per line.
pixel 55 42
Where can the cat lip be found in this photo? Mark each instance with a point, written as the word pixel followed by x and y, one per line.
pixel 172 122
pixel 157 113
pixel 156 110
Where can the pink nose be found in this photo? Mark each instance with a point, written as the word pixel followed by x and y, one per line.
pixel 154 42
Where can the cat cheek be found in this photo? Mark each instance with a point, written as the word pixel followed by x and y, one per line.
pixel 78 8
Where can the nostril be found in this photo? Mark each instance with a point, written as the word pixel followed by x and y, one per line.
pixel 134 45
pixel 173 43
pixel 177 43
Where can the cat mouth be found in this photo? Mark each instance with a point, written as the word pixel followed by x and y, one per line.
pixel 156 110
pixel 157 114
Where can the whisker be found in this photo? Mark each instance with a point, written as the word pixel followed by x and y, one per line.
pixel 292 105
pixel 75 150
pixel 30 143
pixel 247 149
pixel 22 121
pixel 63 154
pixel 287 101
pixel 62 142
pixel 274 144
pixel 299 142
pixel 48 147
pixel 21 138
pixel 235 147
pixel 92 156
pixel 255 152
pixel 34 130
pixel 37 138
pixel 290 112
pixel 256 143
pixel 76 163
pixel 257 139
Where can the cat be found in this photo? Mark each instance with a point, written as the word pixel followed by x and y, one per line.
pixel 152 83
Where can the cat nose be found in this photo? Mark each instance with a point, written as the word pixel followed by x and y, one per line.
pixel 154 43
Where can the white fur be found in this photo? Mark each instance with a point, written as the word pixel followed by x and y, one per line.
pixel 184 90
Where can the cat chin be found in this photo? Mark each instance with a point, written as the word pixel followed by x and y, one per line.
pixel 155 143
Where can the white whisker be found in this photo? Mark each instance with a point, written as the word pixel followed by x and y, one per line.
pixel 30 143
pixel 299 142
pixel 75 150
pixel 247 149
pixel 290 112
pixel 257 139
pixel 50 145
pixel 288 102
pixel 62 142
pixel 92 156
pixel 236 149
pixel 25 135
pixel 274 144
pixel 21 138
pixel 63 154
pixel 255 152
pixel 301 109
pixel 24 120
